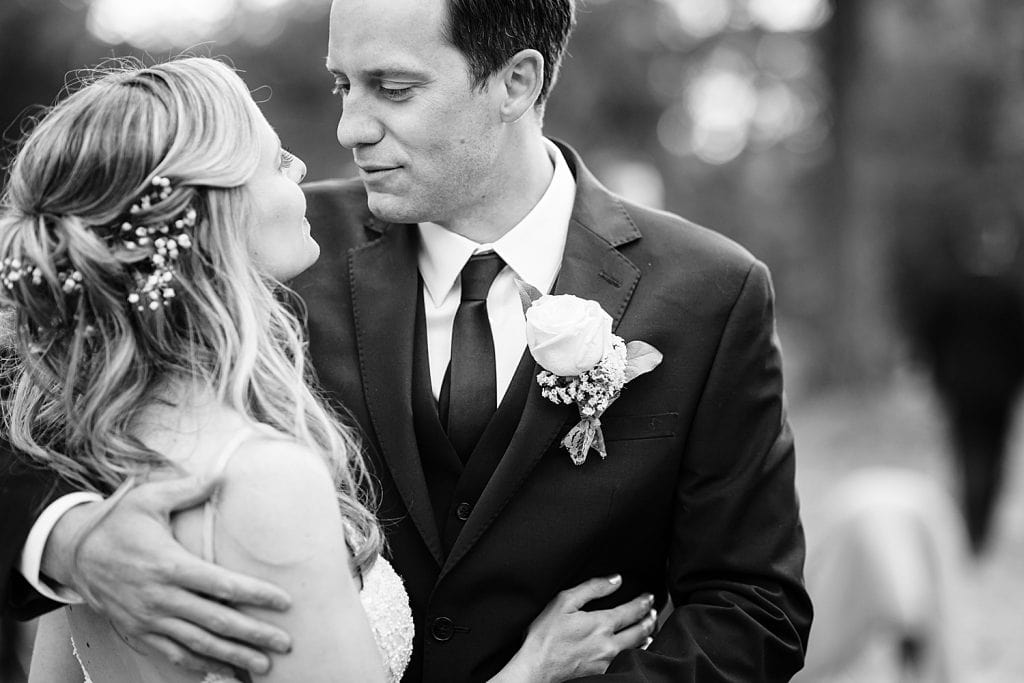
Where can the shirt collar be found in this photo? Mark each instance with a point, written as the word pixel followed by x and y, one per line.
pixel 532 248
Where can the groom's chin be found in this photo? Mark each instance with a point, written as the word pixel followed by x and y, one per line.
pixel 392 209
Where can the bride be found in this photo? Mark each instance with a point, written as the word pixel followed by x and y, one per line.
pixel 148 224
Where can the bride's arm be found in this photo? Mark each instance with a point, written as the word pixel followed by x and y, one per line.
pixel 278 520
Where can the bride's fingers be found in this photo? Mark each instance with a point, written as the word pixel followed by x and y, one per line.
pixel 177 655
pixel 227 622
pixel 637 634
pixel 197 642
pixel 631 612
pixel 575 598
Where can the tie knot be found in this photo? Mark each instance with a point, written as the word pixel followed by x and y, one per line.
pixel 478 274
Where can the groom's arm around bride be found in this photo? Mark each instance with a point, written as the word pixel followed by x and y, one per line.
pixel 694 500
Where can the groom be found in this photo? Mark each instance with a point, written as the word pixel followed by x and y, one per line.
pixel 416 328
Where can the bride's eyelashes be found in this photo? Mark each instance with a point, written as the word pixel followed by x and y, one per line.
pixel 287 159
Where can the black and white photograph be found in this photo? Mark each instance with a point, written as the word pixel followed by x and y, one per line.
pixel 511 341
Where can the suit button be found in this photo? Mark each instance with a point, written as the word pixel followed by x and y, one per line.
pixel 442 629
pixel 463 511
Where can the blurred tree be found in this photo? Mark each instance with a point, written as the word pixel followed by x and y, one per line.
pixel 43 40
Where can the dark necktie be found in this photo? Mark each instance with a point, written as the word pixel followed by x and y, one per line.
pixel 473 389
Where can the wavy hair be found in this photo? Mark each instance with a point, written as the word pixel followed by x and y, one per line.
pixel 89 362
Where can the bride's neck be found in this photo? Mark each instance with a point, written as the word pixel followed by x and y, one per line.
pixel 179 408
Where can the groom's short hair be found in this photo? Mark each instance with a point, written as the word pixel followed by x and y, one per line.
pixel 490 32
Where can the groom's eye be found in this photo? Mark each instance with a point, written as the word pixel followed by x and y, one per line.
pixel 340 88
pixel 396 94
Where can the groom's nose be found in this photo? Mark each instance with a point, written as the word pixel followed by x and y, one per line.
pixel 357 125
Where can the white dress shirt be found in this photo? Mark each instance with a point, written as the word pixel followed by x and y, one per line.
pixel 532 249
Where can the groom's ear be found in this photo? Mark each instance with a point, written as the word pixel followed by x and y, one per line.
pixel 522 79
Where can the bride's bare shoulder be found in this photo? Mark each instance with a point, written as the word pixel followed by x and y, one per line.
pixel 276 504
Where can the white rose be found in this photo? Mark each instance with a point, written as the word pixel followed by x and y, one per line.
pixel 567 335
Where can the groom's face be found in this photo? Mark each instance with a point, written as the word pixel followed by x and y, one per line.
pixel 426 141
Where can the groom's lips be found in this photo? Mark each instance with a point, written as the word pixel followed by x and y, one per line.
pixel 371 172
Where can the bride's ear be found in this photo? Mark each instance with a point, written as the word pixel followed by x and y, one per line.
pixel 521 79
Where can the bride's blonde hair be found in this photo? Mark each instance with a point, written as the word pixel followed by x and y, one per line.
pixel 89 360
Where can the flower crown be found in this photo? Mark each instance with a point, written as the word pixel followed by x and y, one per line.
pixel 153 288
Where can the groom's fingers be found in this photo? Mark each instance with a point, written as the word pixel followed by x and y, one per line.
pixel 178 655
pixel 631 612
pixel 227 622
pixel 196 641
pixel 193 574
pixel 169 495
pixel 575 598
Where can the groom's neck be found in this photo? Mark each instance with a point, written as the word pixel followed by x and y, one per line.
pixel 519 183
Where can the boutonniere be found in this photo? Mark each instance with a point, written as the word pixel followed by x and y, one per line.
pixel 583 362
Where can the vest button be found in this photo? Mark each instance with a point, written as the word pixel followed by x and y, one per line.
pixel 463 511
pixel 442 629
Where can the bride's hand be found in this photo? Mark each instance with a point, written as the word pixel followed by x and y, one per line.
pixel 566 642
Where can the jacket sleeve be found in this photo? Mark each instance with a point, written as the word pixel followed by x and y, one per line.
pixel 25 491
pixel 735 566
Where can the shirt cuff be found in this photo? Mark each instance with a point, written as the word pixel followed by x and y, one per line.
pixel 32 551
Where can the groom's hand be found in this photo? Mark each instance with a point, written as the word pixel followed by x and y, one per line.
pixel 122 558
pixel 567 642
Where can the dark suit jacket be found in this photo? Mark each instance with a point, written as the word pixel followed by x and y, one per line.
pixel 695 500
pixel 25 490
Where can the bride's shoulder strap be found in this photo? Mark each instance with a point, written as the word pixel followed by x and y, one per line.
pixel 220 464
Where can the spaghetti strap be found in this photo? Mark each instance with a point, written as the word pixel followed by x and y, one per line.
pixel 219 465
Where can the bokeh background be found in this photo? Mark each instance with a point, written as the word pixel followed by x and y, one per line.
pixel 869 151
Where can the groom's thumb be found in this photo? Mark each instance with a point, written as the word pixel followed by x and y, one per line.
pixel 181 493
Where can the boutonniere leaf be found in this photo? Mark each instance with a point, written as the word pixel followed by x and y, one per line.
pixel 641 358
pixel 584 363
pixel 527 293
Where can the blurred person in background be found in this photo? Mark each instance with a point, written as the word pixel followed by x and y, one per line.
pixel 961 295
pixel 488 517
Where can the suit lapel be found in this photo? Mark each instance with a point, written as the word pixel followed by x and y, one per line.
pixel 385 287
pixel 592 268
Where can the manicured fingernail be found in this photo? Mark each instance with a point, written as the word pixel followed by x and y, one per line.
pixel 615 580
pixel 647 643
pixel 649 599
pixel 654 614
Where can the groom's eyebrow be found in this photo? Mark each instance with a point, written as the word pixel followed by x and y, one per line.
pixel 395 70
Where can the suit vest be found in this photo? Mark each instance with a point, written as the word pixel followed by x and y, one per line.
pixel 454 488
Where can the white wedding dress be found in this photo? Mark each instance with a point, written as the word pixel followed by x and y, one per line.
pixel 382 595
